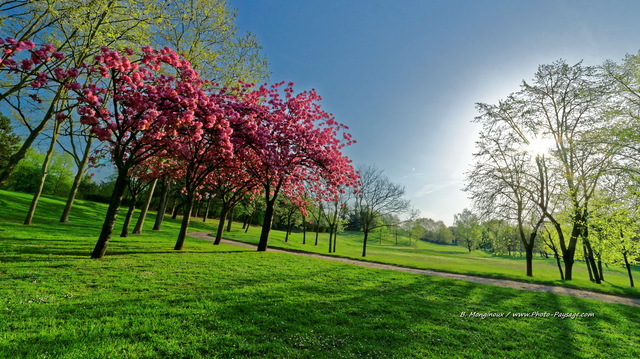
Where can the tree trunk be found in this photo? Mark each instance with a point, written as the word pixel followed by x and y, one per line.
pixel 163 204
pixel 127 218
pixel 586 261
pixel 626 263
pixel 568 267
pixel 529 257
pixel 198 208
pixel 188 207
pixel 590 257
pixel 112 213
pixel 176 210
pixel 335 238
pixel 45 168
pixel 304 229
pixel 601 273
pixel 223 218
pixel 330 238
pixel 22 152
pixel 206 210
pixel 317 231
pixel 230 219
pixel 145 208
pixel 266 225
pixel 557 256
pixel 76 181
pixel 559 266
pixel 249 221
pixel 174 201
pixel 364 243
pixel 245 221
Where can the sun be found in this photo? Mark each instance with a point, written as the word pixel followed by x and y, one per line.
pixel 539 146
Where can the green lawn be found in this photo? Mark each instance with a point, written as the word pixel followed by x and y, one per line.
pixel 144 300
pixel 454 259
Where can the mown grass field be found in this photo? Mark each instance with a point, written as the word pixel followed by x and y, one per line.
pixel 454 259
pixel 144 300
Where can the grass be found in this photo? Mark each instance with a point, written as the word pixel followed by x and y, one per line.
pixel 445 258
pixel 144 300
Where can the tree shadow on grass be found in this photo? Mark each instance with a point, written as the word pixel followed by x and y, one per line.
pixel 326 311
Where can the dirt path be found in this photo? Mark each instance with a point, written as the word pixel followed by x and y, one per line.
pixel 579 293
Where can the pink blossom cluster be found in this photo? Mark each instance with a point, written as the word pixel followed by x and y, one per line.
pixel 35 67
pixel 152 108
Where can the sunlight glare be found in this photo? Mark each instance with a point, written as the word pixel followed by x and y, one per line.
pixel 539 146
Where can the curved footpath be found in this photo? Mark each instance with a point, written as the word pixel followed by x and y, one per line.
pixel 579 293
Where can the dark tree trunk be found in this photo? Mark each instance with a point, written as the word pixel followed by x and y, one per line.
pixel 223 218
pixel 174 201
pixel 304 229
pixel 206 210
pixel 364 243
pixel 184 227
pixel 266 225
pixel 232 210
pixel 286 235
pixel 626 263
pixel 559 266
pixel 317 231
pixel 76 182
pixel 249 222
pixel 586 261
pixel 330 239
pixel 127 218
pixel 557 257
pixel 145 208
pixel 568 265
pixel 176 210
pixel 529 258
pixel 163 205
pixel 245 220
pixel 600 268
pixel 590 257
pixel 335 238
pixel 112 213
pixel 198 208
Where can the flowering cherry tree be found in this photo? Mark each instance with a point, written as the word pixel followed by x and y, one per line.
pixel 138 113
pixel 202 146
pixel 296 142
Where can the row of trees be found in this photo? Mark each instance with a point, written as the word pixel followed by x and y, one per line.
pixel 558 161
pixel 154 115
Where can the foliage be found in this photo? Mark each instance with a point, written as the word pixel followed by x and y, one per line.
pixel 8 140
pixel 467 229
pixel 432 231
pixel 27 174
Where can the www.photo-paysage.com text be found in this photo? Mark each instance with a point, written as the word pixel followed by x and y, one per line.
pixel 559 315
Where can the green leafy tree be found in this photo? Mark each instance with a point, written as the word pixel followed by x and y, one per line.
pixel 467 230
pixel 205 33
pixel 8 141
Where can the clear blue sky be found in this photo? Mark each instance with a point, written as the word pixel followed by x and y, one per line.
pixel 405 75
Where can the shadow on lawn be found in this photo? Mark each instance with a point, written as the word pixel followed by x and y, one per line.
pixel 371 313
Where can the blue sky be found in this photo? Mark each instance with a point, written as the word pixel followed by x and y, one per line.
pixel 405 75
